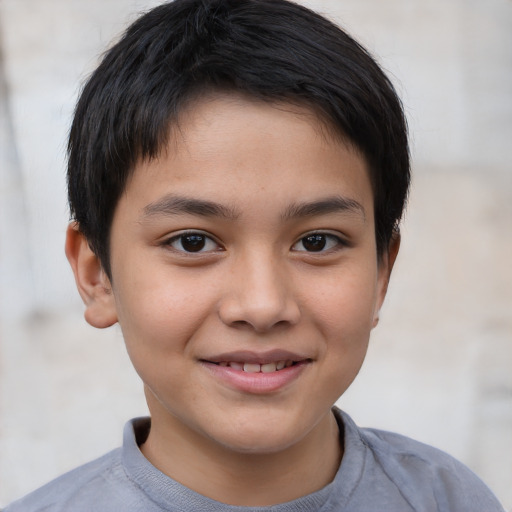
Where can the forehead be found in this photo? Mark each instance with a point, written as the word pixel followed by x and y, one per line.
pixel 230 147
pixel 218 109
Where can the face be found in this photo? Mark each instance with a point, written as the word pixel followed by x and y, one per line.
pixel 244 274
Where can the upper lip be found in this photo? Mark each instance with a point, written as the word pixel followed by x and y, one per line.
pixel 248 356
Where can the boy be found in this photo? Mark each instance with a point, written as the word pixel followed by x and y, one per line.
pixel 237 173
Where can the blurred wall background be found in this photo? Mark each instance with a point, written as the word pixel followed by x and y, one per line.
pixel 440 363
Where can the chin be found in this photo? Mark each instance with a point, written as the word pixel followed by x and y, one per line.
pixel 259 437
pixel 263 443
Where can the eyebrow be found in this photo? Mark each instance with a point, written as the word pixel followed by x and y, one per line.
pixel 171 205
pixel 334 204
pixel 178 205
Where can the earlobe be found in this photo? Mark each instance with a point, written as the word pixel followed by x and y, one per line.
pixel 385 267
pixel 92 282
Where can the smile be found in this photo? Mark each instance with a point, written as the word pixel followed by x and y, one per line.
pixel 253 373
pixel 258 368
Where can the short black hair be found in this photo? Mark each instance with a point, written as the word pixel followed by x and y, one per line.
pixel 272 50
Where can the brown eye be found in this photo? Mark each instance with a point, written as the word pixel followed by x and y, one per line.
pixel 314 243
pixel 193 243
pixel 317 242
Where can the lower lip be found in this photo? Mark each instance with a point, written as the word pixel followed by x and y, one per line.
pixel 256 383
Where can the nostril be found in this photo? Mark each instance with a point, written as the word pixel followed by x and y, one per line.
pixel 282 323
pixel 240 323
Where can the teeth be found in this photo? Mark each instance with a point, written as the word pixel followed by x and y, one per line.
pixel 252 368
pixel 267 368
pixel 257 368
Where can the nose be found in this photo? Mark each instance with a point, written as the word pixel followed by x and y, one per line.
pixel 259 295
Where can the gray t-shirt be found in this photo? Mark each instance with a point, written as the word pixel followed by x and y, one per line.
pixel 380 471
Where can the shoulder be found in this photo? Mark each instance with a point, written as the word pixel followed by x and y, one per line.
pixel 73 487
pixel 420 473
pixel 104 484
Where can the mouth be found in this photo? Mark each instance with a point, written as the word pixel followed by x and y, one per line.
pixel 252 372
pixel 270 367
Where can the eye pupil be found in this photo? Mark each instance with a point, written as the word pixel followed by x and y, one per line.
pixel 314 242
pixel 193 243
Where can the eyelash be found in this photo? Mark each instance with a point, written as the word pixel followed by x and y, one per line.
pixel 202 240
pixel 323 238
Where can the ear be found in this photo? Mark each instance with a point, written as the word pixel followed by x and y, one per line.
pixel 386 262
pixel 92 282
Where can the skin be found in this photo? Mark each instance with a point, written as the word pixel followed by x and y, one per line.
pixel 257 284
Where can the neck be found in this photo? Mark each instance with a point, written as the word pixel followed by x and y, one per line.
pixel 244 479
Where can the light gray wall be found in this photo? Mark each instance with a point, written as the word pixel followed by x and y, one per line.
pixel 439 366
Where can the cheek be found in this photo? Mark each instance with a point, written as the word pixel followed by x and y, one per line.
pixel 345 304
pixel 159 311
pixel 157 323
pixel 345 318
